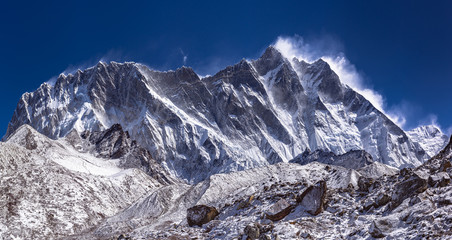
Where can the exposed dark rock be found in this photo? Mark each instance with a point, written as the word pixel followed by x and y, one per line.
pixel 440 179
pixel 382 200
pixel 253 230
pixel 375 231
pixel 407 188
pixel 406 172
pixel 245 203
pixel 353 159
pixel 200 214
pixel 312 199
pixel 115 143
pixel 364 183
pixel 445 165
pixel 279 210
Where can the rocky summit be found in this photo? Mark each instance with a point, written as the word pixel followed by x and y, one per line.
pixel 272 148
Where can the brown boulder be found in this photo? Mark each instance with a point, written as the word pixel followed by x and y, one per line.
pixel 313 198
pixel 200 214
pixel 279 210
pixel 445 164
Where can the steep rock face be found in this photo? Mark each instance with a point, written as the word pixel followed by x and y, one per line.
pixel 115 143
pixel 430 137
pixel 251 114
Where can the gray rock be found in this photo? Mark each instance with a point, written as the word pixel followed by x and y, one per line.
pixel 312 199
pixel 279 210
pixel 440 179
pixel 252 230
pixel 382 200
pixel 365 183
pixel 407 188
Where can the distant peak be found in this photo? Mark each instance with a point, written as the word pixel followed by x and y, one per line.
pixel 271 53
pixel 320 62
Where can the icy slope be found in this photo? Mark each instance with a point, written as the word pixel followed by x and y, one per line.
pixel 248 115
pixel 48 189
pixel 430 137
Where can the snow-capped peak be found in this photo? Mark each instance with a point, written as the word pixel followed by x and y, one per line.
pixel 251 114
pixel 430 137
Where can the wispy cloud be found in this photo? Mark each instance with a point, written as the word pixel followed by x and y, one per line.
pixel 331 51
pixel 184 57
pixel 112 55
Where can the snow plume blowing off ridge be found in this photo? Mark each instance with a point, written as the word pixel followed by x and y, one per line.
pixel 296 47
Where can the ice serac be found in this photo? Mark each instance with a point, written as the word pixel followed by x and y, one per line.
pixel 251 114
pixel 430 137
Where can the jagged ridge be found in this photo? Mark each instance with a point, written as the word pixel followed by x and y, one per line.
pixel 251 114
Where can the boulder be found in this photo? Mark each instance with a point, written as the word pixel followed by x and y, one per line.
pixel 383 226
pixel 406 172
pixel 279 210
pixel 445 164
pixel 374 231
pixel 364 183
pixel 252 230
pixel 407 188
pixel 382 200
pixel 440 179
pixel 313 198
pixel 200 214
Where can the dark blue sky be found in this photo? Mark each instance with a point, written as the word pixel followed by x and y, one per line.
pixel 402 48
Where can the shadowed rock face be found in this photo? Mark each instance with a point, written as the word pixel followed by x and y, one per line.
pixel 251 114
pixel 313 198
pixel 279 210
pixel 201 214
pixel 354 159
pixel 115 143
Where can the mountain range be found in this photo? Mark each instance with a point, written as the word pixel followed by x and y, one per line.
pixel 272 148
pixel 248 115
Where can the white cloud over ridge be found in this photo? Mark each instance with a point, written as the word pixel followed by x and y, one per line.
pixel 292 47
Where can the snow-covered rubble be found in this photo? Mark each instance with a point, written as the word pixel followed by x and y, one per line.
pixel 48 189
pixel 392 205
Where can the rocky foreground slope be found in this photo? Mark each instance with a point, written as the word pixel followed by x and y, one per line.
pixel 248 115
pixel 51 189
pixel 100 185
pixel 292 201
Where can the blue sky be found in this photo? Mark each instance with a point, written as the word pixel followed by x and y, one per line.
pixel 399 49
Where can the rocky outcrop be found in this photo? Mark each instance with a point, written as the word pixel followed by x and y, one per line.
pixel 252 230
pixel 410 186
pixel 365 183
pixel 115 143
pixel 440 179
pixel 313 198
pixel 200 214
pixel 279 210
pixel 353 159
